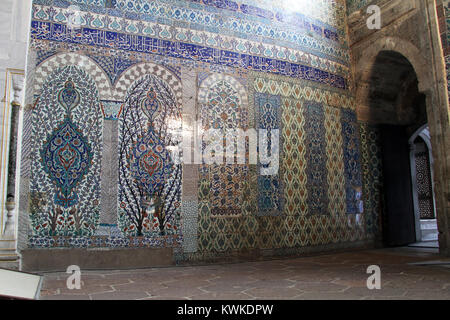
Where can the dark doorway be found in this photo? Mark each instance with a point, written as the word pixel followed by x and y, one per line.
pixel 399 109
pixel 398 217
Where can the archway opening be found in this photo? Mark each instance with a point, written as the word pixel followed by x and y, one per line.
pixel 398 109
pixel 421 161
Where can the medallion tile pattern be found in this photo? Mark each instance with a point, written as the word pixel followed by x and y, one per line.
pixel 65 183
pixel 149 176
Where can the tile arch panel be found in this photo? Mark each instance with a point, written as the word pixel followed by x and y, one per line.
pixel 216 77
pixel 144 138
pixel 140 70
pixel 67 150
pixel 225 181
pixel 48 66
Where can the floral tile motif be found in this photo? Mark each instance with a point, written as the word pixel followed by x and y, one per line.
pixel 317 158
pixel 149 178
pixel 351 143
pixel 111 109
pixel 65 181
pixel 270 188
pixel 223 108
pixel 371 164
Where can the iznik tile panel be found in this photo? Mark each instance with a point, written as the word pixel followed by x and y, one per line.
pixel 254 66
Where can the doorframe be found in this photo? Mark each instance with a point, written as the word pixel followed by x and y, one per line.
pixel 412 158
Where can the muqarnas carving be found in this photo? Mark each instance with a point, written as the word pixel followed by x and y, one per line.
pixel 150 169
pixel 67 134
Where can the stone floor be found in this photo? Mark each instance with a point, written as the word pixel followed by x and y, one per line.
pixel 333 276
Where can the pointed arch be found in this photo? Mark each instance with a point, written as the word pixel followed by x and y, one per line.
pixel 138 71
pixel 223 105
pixel 48 66
pixel 405 48
pixel 214 78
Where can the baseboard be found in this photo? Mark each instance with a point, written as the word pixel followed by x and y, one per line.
pixel 36 260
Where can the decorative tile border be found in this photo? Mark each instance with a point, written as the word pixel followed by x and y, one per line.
pixel 297 49
pixel 105 242
pixel 351 143
pixel 286 32
pixel 60 33
pixel 316 159
pixel 282 16
pixel 288 88
pixel 268 115
pixel 260 10
pixel 172 64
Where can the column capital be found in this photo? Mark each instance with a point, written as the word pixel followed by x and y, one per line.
pixel 17 85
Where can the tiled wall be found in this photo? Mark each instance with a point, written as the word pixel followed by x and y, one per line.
pixel 108 90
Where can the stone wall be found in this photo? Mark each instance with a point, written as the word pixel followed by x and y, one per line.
pixel 443 14
pixel 410 35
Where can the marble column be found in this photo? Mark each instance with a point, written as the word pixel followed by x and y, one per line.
pixel 8 243
pixel 109 179
pixel 190 170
